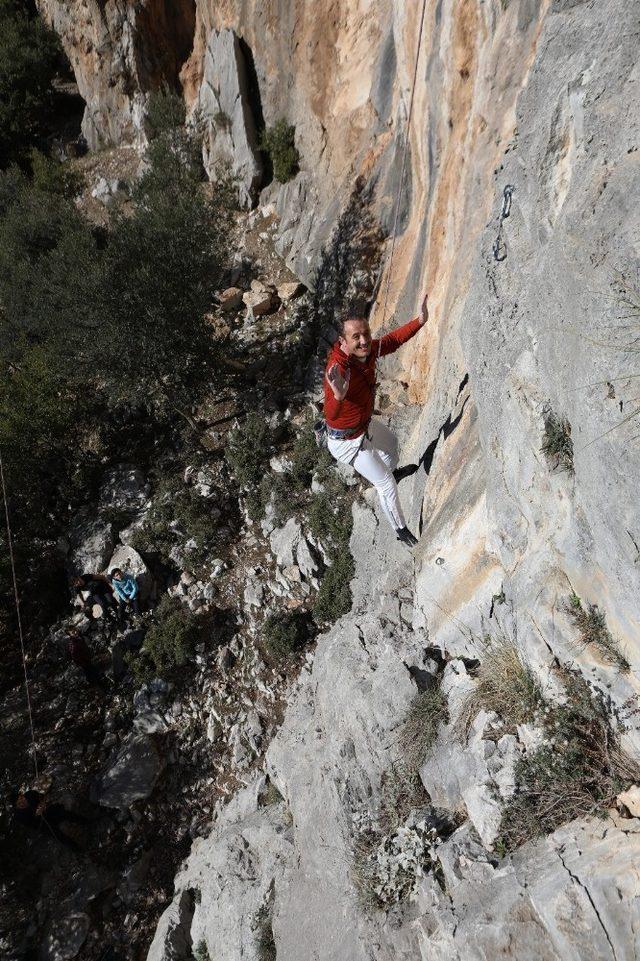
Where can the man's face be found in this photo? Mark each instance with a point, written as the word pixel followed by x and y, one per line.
pixel 356 341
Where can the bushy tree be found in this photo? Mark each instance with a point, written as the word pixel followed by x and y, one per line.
pixel 29 56
pixel 162 265
pixel 53 177
pixel 278 142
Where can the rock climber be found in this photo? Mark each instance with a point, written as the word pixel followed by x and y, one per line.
pixel 353 437
pixel 126 591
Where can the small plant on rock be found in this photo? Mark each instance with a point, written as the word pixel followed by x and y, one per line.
pixel 594 632
pixel 248 450
pixel 278 142
pixel 285 633
pixel 506 685
pixel 266 945
pixel 169 641
pixel 201 951
pixel 557 444
pixel 420 729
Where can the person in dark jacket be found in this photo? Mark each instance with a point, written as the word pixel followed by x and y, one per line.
pixel 100 591
pixel 81 656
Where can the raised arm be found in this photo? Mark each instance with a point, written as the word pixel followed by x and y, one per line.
pixel 396 338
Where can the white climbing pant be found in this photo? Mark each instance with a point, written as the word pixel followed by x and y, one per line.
pixel 375 457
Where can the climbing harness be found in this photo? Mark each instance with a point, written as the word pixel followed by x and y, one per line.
pixel 17 606
pixel 402 170
pixel 499 244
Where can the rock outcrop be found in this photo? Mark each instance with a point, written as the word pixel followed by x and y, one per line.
pixel 120 52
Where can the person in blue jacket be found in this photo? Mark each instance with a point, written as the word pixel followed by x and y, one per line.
pixel 125 588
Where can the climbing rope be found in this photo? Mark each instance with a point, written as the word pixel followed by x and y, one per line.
pixel 403 167
pixel 17 606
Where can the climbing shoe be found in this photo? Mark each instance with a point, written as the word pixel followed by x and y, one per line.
pixel 405 535
pixel 401 472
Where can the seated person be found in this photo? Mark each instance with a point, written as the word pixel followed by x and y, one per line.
pixel 126 590
pixel 99 589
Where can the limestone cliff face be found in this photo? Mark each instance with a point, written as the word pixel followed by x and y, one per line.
pixel 119 51
pixel 519 214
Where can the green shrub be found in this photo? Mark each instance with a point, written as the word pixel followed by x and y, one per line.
pixel 290 491
pixel 578 772
pixel 248 451
pixel 52 177
pixel 593 629
pixel 307 459
pixel 29 55
pixel 329 517
pixel 201 951
pixel 159 535
pixel 166 111
pixel 285 633
pixel 334 597
pixel 557 444
pixel 169 640
pixel 278 142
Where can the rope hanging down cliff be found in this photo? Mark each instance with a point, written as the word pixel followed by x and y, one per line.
pixel 403 166
pixel 17 606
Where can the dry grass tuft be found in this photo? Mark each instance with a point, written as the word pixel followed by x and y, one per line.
pixel 420 728
pixel 505 685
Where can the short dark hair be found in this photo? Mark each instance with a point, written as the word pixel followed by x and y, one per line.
pixel 345 320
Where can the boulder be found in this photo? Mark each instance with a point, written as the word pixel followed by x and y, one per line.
pixel 224 104
pixel 290 290
pixel 253 592
pixel 108 191
pixel 66 939
pixel 230 299
pixel 259 302
pixel 172 940
pixel 305 559
pixel 130 775
pixel 284 542
pixel 92 542
pixel 631 800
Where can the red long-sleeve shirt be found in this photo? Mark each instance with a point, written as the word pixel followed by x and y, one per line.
pixel 354 412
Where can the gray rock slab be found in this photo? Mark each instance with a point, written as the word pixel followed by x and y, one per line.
pixel 131 774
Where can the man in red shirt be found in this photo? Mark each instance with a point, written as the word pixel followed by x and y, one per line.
pixel 349 394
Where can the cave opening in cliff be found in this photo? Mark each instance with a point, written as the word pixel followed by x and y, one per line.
pixel 164 41
pixel 64 121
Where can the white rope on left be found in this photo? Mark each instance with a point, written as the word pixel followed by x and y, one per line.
pixel 18 617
